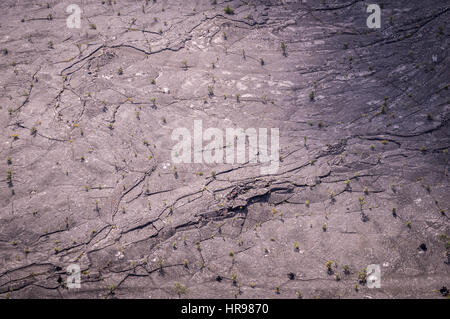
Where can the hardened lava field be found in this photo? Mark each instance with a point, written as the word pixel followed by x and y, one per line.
pixel 87 178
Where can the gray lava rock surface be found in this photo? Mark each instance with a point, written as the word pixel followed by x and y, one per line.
pixel 87 175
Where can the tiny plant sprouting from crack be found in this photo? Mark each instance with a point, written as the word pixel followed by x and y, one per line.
pixel 111 289
pixel 179 289
pixel 9 176
pixel 210 91
pixel 234 279
pixel 153 100
pixel 346 270
pixel 362 276
pixel 228 10
pixel 332 195
pixel 329 267
pixel 284 49
pixel 160 265
pixel 175 172
pixel 184 65
pixel 347 184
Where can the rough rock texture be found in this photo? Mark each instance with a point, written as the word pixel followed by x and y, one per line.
pixel 87 175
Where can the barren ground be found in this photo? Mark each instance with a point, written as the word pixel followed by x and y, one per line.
pixel 87 176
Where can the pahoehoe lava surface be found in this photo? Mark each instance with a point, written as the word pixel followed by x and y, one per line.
pixel 87 176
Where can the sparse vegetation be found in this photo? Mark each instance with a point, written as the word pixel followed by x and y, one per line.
pixel 90 160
